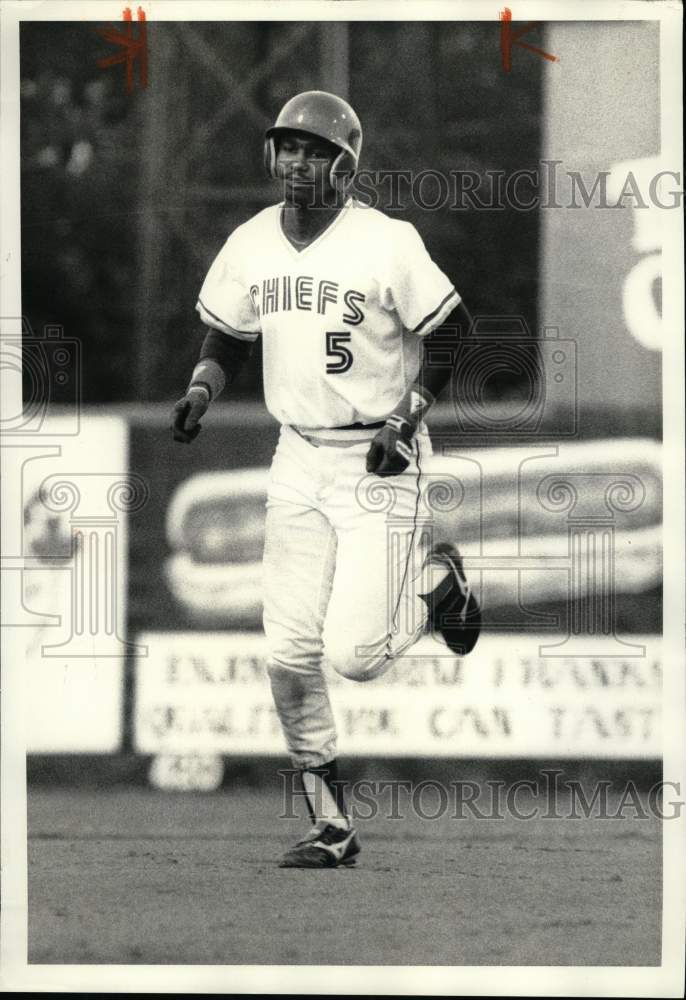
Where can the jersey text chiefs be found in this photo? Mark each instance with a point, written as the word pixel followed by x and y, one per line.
pixel 285 293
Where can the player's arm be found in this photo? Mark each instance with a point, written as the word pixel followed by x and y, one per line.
pixel 390 452
pixel 222 356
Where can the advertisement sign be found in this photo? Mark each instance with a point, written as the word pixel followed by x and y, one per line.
pixel 210 694
pixel 184 562
pixel 608 200
pixel 518 514
pixel 72 560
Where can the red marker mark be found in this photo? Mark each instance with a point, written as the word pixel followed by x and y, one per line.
pixel 508 38
pixel 132 48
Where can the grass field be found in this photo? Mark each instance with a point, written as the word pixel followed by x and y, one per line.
pixel 136 876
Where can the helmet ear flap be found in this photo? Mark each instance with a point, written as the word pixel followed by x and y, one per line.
pixel 342 170
pixel 270 156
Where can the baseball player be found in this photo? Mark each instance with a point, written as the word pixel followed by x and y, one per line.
pixel 346 301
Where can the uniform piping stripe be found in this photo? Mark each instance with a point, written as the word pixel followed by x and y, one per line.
pixel 435 312
pixel 238 334
pixel 409 552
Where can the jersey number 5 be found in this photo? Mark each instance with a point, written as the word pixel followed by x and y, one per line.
pixel 335 349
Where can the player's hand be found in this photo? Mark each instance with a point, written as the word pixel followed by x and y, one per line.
pixel 390 452
pixel 187 413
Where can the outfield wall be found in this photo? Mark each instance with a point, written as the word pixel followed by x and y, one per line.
pixel 601 250
pixel 141 610
pixel 505 700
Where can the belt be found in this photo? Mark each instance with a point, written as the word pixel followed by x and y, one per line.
pixel 319 437
pixel 355 427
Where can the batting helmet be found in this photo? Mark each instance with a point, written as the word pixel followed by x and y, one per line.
pixel 327 117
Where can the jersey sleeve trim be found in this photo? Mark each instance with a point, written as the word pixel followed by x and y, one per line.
pixel 209 318
pixel 437 315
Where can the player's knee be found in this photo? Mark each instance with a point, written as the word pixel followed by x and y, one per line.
pixel 357 662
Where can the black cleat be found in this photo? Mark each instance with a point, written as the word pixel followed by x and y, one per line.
pixel 330 847
pixel 453 609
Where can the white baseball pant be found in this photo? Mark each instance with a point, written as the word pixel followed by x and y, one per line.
pixel 344 552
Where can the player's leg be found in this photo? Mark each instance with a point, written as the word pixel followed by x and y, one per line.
pixel 297 566
pixel 374 613
pixel 299 558
pixel 391 582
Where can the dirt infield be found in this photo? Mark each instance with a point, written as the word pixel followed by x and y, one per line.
pixel 136 876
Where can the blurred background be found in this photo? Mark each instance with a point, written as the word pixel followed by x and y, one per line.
pixel 126 199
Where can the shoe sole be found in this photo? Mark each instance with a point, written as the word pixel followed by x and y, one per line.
pixel 348 863
pixel 320 859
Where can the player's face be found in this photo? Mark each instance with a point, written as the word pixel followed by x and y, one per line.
pixel 304 163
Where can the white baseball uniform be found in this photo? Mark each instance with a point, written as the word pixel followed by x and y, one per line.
pixel 341 323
